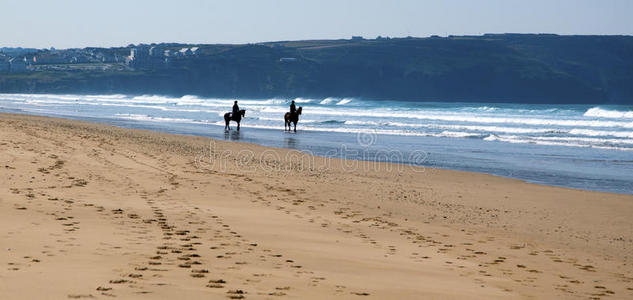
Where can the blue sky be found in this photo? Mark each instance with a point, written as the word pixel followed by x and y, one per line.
pixel 81 23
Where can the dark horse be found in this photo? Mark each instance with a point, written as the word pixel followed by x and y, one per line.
pixel 290 118
pixel 228 118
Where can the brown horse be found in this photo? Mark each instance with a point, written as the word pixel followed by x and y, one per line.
pixel 228 118
pixel 292 118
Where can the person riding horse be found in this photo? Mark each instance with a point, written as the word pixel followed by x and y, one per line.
pixel 292 116
pixel 236 110
pixel 293 109
pixel 235 115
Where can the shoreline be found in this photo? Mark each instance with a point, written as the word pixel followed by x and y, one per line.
pixel 445 154
pixel 86 197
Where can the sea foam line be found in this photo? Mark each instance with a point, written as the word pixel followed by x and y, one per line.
pixel 606 113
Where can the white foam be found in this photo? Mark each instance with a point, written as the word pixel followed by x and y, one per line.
pixel 472 118
pixel 271 119
pixel 458 134
pixel 327 100
pixel 597 127
pixel 478 128
pixel 585 140
pixel 138 117
pixel 605 113
pixel 344 101
pixel 491 137
pixel 302 100
pixel 566 143
pixel 355 122
pixel 589 132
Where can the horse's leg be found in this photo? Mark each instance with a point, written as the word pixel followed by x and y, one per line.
pixel 295 127
pixel 238 126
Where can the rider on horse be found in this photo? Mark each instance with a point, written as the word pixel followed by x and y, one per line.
pixel 293 109
pixel 236 110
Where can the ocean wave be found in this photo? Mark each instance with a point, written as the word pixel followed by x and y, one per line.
pixel 344 101
pixel 271 119
pixel 486 108
pixel 589 132
pixel 567 142
pixel 115 104
pixel 304 121
pixel 157 99
pixel 472 118
pixel 138 117
pixel 497 129
pixel 605 113
pixel 308 121
pixel 587 140
pixel 303 100
pixel 328 100
pixel 570 125
pixel 355 122
pixel 458 134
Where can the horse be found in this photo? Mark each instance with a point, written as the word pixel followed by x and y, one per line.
pixel 228 118
pixel 290 118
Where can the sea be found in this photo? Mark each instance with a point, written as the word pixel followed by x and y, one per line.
pixel 586 147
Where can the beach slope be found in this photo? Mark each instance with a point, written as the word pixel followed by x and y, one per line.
pixel 94 211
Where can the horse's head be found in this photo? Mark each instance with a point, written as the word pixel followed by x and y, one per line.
pixel 299 110
pixel 243 112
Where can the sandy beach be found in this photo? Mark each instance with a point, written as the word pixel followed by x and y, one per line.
pixel 94 211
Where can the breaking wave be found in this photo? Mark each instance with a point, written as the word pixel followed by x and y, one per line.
pixel 605 113
pixel 579 126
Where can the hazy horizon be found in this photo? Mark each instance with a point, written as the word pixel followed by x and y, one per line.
pixel 78 24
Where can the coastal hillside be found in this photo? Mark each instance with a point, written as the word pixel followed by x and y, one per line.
pixel 521 68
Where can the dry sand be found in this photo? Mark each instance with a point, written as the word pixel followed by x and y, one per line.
pixel 93 211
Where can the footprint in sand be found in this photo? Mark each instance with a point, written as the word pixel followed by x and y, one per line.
pixel 71 296
pixel 118 281
pixel 236 294
pixel 216 284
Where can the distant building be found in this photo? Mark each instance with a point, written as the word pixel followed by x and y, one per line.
pixel 147 58
pixel 105 58
pixel 156 51
pixel 138 58
pixel 185 52
pixel 17 65
pixel 50 59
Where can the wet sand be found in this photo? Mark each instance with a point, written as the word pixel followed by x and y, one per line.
pixel 94 211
